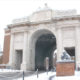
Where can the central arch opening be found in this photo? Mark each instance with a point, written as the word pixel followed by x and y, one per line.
pixel 44 47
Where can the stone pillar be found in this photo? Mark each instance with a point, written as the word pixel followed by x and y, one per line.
pixel 59 44
pixel 11 50
pixel 77 46
pixel 25 61
pixel 32 53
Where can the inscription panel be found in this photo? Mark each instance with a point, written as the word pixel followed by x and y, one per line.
pixel 18 41
pixel 68 36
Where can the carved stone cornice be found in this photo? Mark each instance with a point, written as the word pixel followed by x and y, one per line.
pixel 53 20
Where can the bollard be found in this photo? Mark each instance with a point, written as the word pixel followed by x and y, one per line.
pixel 47 64
pixel 37 73
pixel 23 75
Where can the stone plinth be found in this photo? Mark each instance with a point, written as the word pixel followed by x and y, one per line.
pixel 2 66
pixel 65 68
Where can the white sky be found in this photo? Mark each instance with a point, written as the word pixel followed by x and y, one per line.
pixel 12 9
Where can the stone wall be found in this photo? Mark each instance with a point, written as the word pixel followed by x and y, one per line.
pixel 6 47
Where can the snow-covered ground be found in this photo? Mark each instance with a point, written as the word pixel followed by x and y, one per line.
pixel 52 76
pixel 75 77
pixel 44 76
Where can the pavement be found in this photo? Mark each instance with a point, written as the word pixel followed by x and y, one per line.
pixel 16 75
pixel 51 77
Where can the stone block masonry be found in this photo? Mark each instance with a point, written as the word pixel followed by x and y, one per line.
pixel 65 68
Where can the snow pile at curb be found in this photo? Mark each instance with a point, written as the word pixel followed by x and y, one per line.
pixel 9 70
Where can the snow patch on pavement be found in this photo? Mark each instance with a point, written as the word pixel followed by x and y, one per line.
pixel 75 77
pixel 44 76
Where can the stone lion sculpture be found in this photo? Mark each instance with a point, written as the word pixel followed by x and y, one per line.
pixel 64 56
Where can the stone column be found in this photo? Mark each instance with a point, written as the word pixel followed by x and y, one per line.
pixel 11 50
pixel 59 44
pixel 25 60
pixel 77 46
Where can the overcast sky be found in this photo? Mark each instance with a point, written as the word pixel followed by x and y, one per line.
pixel 12 9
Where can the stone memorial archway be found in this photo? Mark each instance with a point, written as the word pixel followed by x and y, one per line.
pixel 43 43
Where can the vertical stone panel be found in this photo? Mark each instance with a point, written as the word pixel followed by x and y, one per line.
pixel 26 56
pixel 77 48
pixel 59 44
pixel 68 36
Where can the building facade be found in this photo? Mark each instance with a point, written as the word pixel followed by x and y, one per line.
pixel 28 41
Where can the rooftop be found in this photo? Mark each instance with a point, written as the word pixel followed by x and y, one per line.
pixel 45 13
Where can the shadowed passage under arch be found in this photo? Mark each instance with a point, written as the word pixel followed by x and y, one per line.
pixel 44 47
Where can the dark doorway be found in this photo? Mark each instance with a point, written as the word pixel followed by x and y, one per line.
pixel 44 47
pixel 71 52
pixel 18 59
